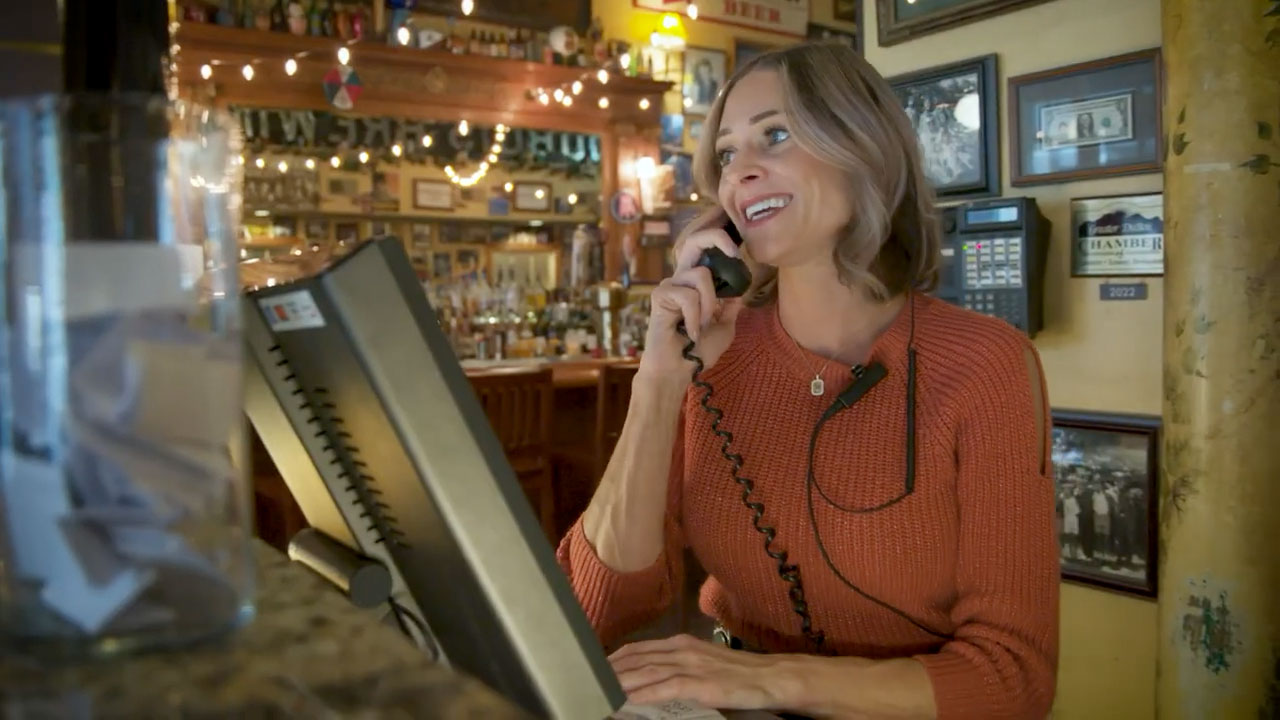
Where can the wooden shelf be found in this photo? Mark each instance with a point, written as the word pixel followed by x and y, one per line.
pixel 404 82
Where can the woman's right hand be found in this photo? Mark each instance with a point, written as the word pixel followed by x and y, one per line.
pixel 689 296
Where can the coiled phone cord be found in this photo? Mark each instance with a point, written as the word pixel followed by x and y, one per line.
pixel 789 572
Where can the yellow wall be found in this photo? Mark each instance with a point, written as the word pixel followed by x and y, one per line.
pixel 1108 649
pixel 1107 662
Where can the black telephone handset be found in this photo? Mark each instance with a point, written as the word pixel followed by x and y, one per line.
pixel 730 275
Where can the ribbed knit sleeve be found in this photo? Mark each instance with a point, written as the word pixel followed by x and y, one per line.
pixel 617 603
pixel 1002 661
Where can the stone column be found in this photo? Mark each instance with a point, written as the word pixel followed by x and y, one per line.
pixel 1219 615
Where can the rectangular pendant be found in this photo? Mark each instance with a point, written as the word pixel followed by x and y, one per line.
pixel 817 387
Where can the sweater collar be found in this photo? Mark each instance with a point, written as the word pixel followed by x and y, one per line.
pixel 889 348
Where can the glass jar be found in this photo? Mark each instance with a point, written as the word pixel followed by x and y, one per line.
pixel 124 505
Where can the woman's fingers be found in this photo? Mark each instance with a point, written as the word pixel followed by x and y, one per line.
pixel 699 241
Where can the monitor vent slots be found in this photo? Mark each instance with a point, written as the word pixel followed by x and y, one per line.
pixel 357 486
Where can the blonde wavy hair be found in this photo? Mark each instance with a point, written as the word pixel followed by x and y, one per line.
pixel 843 112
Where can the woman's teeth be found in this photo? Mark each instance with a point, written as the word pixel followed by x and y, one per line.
pixel 768 206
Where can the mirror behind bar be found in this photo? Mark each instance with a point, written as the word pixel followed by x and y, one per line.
pixel 366 412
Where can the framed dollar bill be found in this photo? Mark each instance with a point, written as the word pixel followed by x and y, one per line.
pixel 1121 235
pixel 1092 119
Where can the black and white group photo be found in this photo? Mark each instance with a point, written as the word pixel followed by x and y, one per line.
pixel 1104 494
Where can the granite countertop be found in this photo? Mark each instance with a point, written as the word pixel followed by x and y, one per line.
pixel 308 654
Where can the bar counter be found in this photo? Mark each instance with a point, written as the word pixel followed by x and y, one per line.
pixel 308 654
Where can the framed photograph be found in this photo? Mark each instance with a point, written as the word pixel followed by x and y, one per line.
pixel 822 32
pixel 847 11
pixel 704 75
pixel 672 132
pixel 953 110
pixel 744 51
pixel 532 197
pixel 432 195
pixel 1120 235
pixel 695 128
pixel 901 20
pixel 1093 119
pixel 1106 475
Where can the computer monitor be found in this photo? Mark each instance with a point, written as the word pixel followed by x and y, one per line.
pixel 365 410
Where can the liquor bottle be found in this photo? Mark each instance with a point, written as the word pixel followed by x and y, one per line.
pixel 342 22
pixel 329 20
pixel 279 18
pixel 314 22
pixel 359 22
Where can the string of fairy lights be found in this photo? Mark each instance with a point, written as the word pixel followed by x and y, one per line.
pixel 562 95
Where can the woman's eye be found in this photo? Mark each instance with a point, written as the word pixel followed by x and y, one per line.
pixel 777 135
pixel 724 157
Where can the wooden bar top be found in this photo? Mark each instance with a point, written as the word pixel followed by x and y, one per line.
pixel 578 371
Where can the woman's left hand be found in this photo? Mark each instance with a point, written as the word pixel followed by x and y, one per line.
pixel 688 668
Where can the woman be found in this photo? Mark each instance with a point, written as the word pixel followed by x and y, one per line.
pixel 931 593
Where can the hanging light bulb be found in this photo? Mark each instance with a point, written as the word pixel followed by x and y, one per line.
pixel 247 72
pixel 568 100
pixel 240 160
pixel 282 166
pixel 493 158
pixel 577 87
pixel 688 102
pixel 693 197
pixel 495 148
pixel 206 71
pixel 501 128
pixel 509 186
pixel 468 6
pixel 364 156
pixel 402 35
pixel 426 141
pixel 335 162
pixel 539 193
pixel 603 76
pixel 692 10
pixel 396 149
pixel 463 128
pixel 542 98
pixel 644 103
pixel 573 198
pixel 290 67
pixel 260 163
pixel 624 60
pixel 603 103
pixel 344 55
pixel 559 95
pixel 311 164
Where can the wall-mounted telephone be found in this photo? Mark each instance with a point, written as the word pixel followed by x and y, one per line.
pixel 993 259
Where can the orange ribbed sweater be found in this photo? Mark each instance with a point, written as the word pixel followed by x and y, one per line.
pixel 972 552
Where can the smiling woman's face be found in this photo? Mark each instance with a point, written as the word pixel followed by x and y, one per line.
pixel 789 205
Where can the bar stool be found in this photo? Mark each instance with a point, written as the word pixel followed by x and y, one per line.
pixel 518 403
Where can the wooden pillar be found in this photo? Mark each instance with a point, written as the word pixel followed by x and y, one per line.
pixel 1219 606
pixel 611 242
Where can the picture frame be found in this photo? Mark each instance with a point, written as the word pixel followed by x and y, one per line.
pixel 847 11
pixel 820 32
pixel 532 197
pixel 1118 235
pixel 744 51
pixel 694 126
pixel 953 109
pixel 1093 119
pixel 1106 470
pixel 432 195
pixel 704 74
pixel 901 20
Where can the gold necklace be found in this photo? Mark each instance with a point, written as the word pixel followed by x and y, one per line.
pixel 817 387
